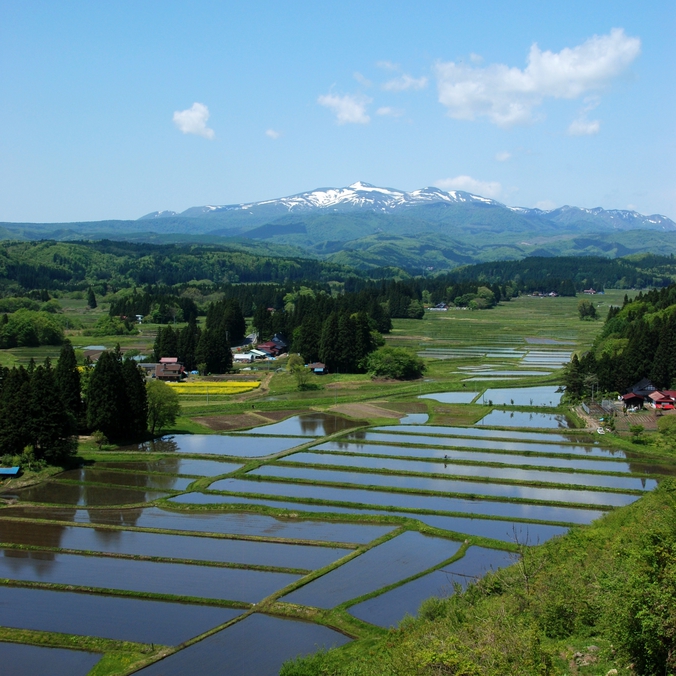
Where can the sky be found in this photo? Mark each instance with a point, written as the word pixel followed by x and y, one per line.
pixel 114 110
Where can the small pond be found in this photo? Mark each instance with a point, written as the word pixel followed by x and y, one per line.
pixel 19 659
pixel 175 465
pixel 113 617
pixel 499 418
pixel 544 395
pixel 144 576
pixel 394 560
pixel 136 479
pixel 389 608
pixel 82 495
pixel 258 645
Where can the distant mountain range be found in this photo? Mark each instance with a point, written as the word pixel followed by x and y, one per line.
pixel 367 226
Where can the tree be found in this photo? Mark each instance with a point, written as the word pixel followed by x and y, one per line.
pixel 394 362
pixel 300 373
pixel 213 350
pixel 163 405
pixel 91 298
pixel 68 381
pixel 586 310
pixel 137 399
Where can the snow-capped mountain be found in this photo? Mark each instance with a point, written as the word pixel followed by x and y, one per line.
pixel 364 197
pixel 359 195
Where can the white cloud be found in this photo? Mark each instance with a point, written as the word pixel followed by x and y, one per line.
pixel 503 156
pixel 349 108
pixel 387 65
pixel 469 184
pixel 361 79
pixel 476 58
pixel 545 205
pixel 391 112
pixel 405 82
pixel 194 121
pixel 507 96
pixel 271 133
pixel 584 127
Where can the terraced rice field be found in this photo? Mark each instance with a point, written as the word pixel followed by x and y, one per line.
pixel 189 557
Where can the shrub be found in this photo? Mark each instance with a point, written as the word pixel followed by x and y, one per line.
pixel 394 362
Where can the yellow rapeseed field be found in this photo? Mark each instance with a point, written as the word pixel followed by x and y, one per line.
pixel 213 388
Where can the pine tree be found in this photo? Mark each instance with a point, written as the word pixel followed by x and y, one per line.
pixel 329 351
pixel 106 397
pixel 136 422
pixel 67 378
pixel 14 403
pixel 91 298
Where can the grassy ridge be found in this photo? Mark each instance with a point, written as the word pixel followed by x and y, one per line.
pixel 599 598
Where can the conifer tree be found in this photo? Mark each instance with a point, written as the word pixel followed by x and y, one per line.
pixel 91 298
pixel 68 381
pixel 136 420
pixel 106 397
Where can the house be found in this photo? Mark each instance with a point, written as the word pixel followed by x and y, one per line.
pixel 318 368
pixel 259 354
pixel 439 307
pixel 662 400
pixel 632 400
pixel 244 357
pixel 169 369
pixel 279 342
pixel 643 387
pixel 591 292
pixel 271 348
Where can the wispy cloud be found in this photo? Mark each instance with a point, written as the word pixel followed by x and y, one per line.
pixel 194 121
pixel 469 184
pixel 387 65
pixel 507 96
pixel 348 108
pixel 271 133
pixel 362 79
pixel 545 205
pixel 582 126
pixel 405 82
pixel 503 156
pixel 391 112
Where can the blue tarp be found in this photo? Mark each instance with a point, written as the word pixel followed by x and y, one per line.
pixel 9 471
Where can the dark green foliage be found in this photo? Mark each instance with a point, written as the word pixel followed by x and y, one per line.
pixel 67 378
pixel 213 351
pixel 188 339
pixel 156 303
pixel 166 343
pixel 116 398
pixel 394 362
pixel 27 328
pixel 226 316
pixel 586 309
pixel 91 298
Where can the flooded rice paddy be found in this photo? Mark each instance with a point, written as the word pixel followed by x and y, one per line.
pixel 254 646
pixel 113 617
pixel 389 608
pixel 390 562
pixel 30 660
pixel 92 529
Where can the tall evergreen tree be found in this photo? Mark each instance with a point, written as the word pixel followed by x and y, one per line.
pixel 91 298
pixel 106 398
pixel 136 422
pixel 14 406
pixel 68 381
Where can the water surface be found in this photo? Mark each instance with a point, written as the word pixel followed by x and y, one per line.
pixel 18 659
pixel 499 418
pixel 389 608
pixel 514 473
pixel 258 645
pixel 113 617
pixel 395 481
pixel 83 495
pixel 394 560
pixel 142 576
pixel 169 546
pixel 544 395
pixel 236 523
pixel 309 424
pixel 136 479
pixel 472 432
pixel 359 497
pixel 192 466
pixel 451 397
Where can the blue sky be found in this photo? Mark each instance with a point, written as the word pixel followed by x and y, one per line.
pixel 113 110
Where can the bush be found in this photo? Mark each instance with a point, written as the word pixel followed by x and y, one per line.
pixel 394 362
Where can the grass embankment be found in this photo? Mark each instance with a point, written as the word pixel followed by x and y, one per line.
pixel 599 598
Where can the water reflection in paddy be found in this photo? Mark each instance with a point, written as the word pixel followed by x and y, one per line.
pixel 402 500
pixel 193 466
pixel 524 458
pixel 395 481
pixel 470 432
pixel 168 546
pixel 621 483
pixel 113 617
pixel 499 418
pixel 394 560
pixel 19 659
pixel 258 645
pixel 83 495
pixel 517 446
pixel 508 531
pixel 544 395
pixel 167 482
pixel 235 523
pixel 142 576
pixel 389 608
pixel 217 444
pixel 309 424
pixel 451 397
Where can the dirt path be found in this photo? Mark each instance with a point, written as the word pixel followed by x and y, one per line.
pixel 366 411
